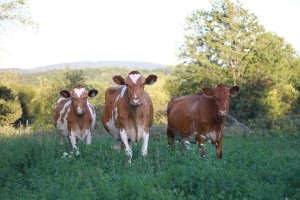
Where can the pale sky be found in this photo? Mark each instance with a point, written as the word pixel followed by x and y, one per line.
pixel 123 30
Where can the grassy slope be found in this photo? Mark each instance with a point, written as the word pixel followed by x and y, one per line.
pixel 256 167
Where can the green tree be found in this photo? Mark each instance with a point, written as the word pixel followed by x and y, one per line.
pixel 10 107
pixel 47 95
pixel 227 44
pixel 217 42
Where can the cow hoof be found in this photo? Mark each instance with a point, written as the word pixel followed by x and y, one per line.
pixel 144 153
pixel 65 154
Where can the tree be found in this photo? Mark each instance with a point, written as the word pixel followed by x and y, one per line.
pixel 47 95
pixel 10 107
pixel 227 44
pixel 14 12
pixel 217 42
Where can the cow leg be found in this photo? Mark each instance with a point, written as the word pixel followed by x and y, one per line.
pixel 145 140
pixel 184 146
pixel 201 140
pixel 73 142
pixel 171 137
pixel 61 140
pixel 219 146
pixel 127 148
pixel 88 139
pixel 117 145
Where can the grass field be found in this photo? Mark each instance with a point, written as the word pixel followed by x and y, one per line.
pixel 253 167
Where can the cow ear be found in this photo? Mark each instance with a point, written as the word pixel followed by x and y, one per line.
pixel 65 93
pixel 208 92
pixel 151 79
pixel 119 80
pixel 93 93
pixel 234 91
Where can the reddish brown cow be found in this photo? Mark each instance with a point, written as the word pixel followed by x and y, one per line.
pixel 75 116
pixel 128 111
pixel 202 115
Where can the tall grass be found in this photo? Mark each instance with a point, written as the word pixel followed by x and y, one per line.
pixel 253 167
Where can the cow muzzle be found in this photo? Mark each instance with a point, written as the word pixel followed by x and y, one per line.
pixel 80 111
pixel 222 113
pixel 136 102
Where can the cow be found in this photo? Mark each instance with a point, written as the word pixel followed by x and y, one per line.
pixel 75 116
pixel 200 116
pixel 128 112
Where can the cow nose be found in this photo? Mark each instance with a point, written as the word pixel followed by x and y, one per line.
pixel 80 111
pixel 223 113
pixel 136 102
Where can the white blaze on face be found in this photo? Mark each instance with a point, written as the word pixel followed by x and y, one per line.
pixel 134 77
pixel 79 91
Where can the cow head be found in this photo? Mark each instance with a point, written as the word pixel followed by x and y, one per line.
pixel 79 97
pixel 221 94
pixel 135 83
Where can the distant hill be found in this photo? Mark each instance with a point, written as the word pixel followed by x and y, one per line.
pixel 88 64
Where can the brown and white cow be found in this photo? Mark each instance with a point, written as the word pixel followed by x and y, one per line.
pixel 128 111
pixel 202 115
pixel 75 116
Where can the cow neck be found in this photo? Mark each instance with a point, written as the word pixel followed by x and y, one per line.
pixel 80 119
pixel 136 113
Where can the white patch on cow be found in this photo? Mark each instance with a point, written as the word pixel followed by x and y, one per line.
pixel 73 142
pixel 112 128
pixel 127 148
pixel 116 112
pixel 123 91
pixel 145 139
pixel 93 114
pixel 88 136
pixel 60 99
pixel 63 127
pixel 134 77
pixel 79 91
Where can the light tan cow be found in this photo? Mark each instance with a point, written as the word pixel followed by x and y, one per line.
pixel 75 116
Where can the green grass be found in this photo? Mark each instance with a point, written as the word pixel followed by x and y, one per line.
pixel 253 167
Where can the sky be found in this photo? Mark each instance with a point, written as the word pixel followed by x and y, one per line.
pixel 123 30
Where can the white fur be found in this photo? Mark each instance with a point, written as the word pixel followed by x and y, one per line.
pixel 123 91
pixel 134 77
pixel 79 91
pixel 60 99
pixel 93 114
pixel 127 148
pixel 63 127
pixel 73 141
pixel 145 139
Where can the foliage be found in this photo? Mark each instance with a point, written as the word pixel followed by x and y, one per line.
pixel 10 107
pixel 160 99
pixel 227 44
pixel 14 12
pixel 32 167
